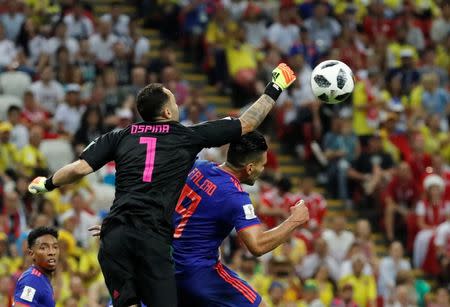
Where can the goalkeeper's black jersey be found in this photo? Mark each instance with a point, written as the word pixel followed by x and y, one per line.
pixel 152 162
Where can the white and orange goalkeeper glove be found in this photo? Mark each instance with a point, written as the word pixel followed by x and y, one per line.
pixel 40 185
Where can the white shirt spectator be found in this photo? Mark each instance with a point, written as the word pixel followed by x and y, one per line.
pixel 312 262
pixel 36 46
pixel 120 27
pixel 19 136
pixel 7 52
pixel 442 234
pixel 81 232
pixel 48 95
pixel 323 33
pixel 338 244
pixel 71 44
pixel 388 273
pixel 283 36
pixel 141 48
pixel 439 29
pixel 78 28
pixel 69 116
pixel 255 33
pixel 12 24
pixel 346 268
pixel 236 8
pixel 103 48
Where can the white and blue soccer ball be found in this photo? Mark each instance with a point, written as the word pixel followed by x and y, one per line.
pixel 332 81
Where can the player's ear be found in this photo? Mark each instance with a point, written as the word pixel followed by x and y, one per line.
pixel 30 252
pixel 166 113
pixel 249 168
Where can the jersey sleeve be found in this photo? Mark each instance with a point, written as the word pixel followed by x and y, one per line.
pixel 242 212
pixel 218 132
pixel 28 291
pixel 101 150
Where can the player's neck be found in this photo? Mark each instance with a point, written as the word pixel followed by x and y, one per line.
pixel 230 169
pixel 47 273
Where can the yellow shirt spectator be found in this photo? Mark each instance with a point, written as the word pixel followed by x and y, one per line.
pixel 218 34
pixel 394 51
pixel 240 56
pixel 9 157
pixel 32 158
pixel 326 293
pixel 364 288
pixel 360 102
pixel 443 57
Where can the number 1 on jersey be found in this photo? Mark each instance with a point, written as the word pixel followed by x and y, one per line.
pixel 149 157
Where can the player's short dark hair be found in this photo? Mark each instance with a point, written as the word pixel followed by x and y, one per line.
pixel 39 232
pixel 247 149
pixel 150 101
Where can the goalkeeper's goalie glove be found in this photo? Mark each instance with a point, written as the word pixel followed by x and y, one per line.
pixel 41 185
pixel 282 78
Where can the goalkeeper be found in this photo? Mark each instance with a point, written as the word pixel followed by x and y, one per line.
pixel 153 159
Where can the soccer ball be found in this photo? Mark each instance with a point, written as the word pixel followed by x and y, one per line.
pixel 332 81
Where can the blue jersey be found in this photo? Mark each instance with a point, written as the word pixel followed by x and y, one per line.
pixel 34 289
pixel 211 204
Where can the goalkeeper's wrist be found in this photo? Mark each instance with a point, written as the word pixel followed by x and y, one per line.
pixel 49 185
pixel 273 90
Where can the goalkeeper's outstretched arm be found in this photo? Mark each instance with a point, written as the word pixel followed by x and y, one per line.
pixel 282 77
pixel 67 174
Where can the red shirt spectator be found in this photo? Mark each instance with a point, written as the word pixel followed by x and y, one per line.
pixel 275 203
pixel 433 214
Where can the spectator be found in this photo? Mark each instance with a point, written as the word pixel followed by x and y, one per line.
pixel 400 197
pixel 429 65
pixel 441 298
pixel 138 80
pixel 389 266
pixel 32 160
pixel 68 115
pixel 32 112
pixel 414 35
pixel 79 26
pixel 171 78
pixel 321 255
pixel 416 289
pixel 435 100
pixel 101 44
pixel 282 35
pixel 372 168
pixel 19 133
pixel 311 295
pixel 61 38
pixel 63 68
pixel 140 44
pixel 322 28
pixel 441 24
pixel 12 218
pixel 409 75
pixel 119 21
pixel 122 63
pixel 275 294
pixel 338 239
pixel 31 41
pixel 12 20
pixel 341 148
pixel 255 26
pixel 114 96
pixel 167 57
pixel 364 286
pixel 419 160
pixel 85 60
pixel 317 207
pixel 346 267
pixel 430 213
pixel 9 154
pixel 91 127
pixel 376 23
pixel 48 91
pixel 275 202
pixel 323 284
pixel 7 49
pixel 345 297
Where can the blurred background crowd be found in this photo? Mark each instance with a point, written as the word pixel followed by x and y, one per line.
pixel 374 171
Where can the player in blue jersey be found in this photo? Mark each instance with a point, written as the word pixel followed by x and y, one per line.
pixel 211 204
pixel 33 288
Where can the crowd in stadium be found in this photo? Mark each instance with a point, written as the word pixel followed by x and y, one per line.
pixel 68 75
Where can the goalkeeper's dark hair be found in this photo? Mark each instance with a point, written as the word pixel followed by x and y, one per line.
pixel 248 149
pixel 150 101
pixel 39 232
